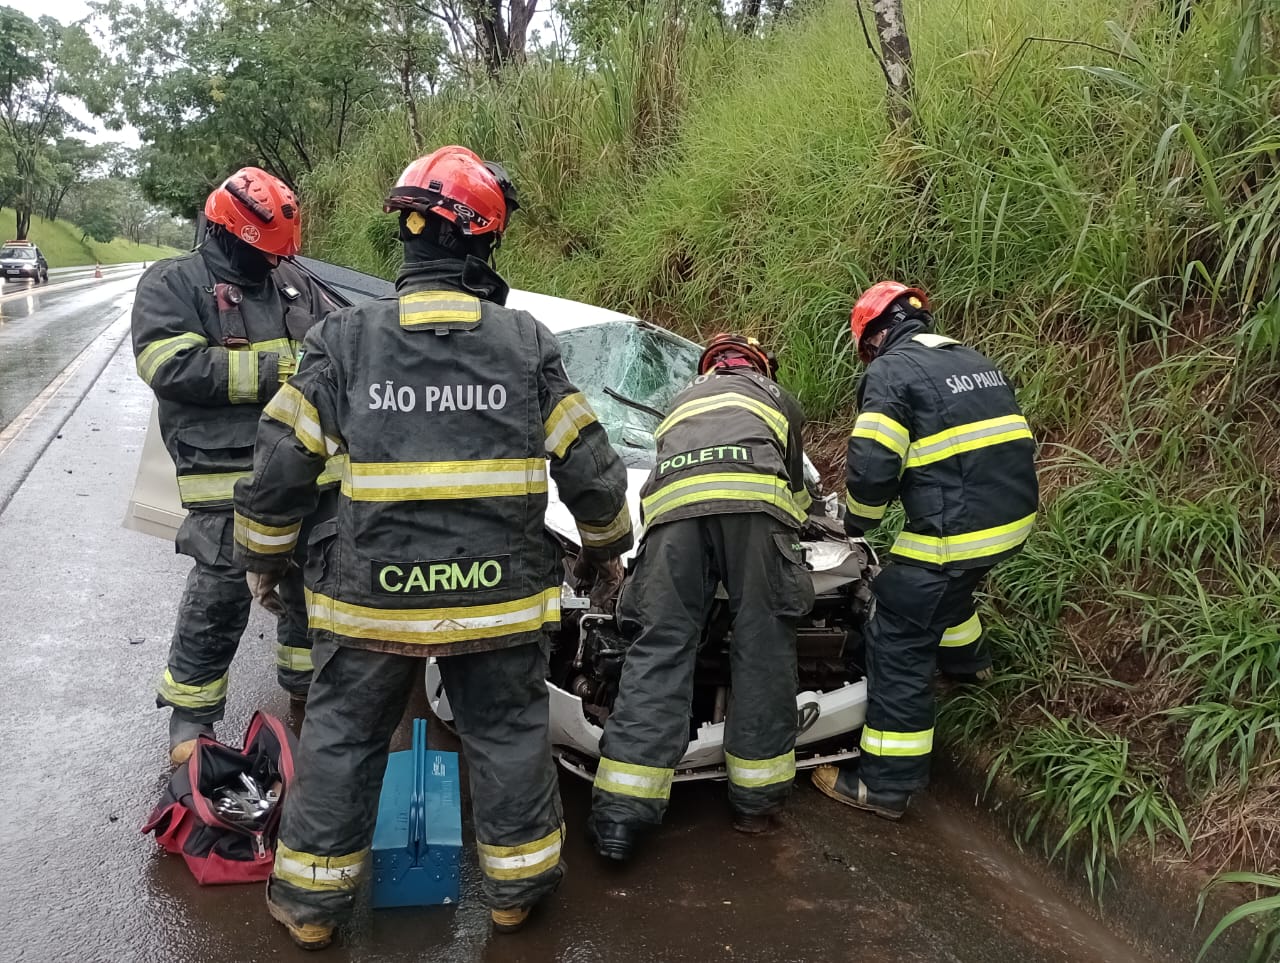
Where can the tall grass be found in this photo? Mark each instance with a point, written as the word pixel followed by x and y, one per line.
pixel 1098 210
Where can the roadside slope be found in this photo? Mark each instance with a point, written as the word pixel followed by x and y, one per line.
pixel 61 245
pixel 1099 214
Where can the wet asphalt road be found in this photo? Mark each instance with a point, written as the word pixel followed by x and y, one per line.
pixel 44 326
pixel 85 613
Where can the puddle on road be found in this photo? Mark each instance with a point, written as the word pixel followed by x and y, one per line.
pixel 1030 904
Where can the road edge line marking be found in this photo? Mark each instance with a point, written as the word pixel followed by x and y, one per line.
pixel 15 430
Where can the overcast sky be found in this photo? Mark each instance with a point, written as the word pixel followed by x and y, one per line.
pixel 69 11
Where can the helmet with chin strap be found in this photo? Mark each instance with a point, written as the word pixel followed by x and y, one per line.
pixel 258 209
pixel 478 198
pixel 877 308
pixel 724 349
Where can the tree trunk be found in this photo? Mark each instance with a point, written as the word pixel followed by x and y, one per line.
pixel 895 58
pixel 750 16
pixel 23 212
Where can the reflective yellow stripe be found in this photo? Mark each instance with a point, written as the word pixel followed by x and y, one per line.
pixel 882 429
pixel 966 633
pixel 294 658
pixel 879 743
pixel 334 470
pixel 291 408
pixel 462 623
pixel 753 773
pixel 596 536
pixel 425 308
pixel 970 437
pixel 523 861
pixel 722 486
pixel 567 419
pixel 158 352
pixel 863 510
pixel 209 488
pixel 640 782
pixel 285 347
pixel 775 419
pixel 204 696
pixel 934 340
pixel 266 539
pixel 412 481
pixel 319 873
pixel 242 376
pixel 803 500
pixel 957 548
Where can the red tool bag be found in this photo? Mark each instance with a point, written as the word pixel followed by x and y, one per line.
pixel 198 816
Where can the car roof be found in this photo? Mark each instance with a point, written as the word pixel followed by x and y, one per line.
pixel 558 314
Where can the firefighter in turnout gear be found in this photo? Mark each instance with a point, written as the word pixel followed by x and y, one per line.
pixel 215 332
pixel 723 505
pixel 939 428
pixel 447 407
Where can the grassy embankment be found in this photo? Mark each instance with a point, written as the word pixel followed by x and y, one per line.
pixel 60 243
pixel 1103 223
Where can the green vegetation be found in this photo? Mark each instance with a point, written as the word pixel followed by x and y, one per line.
pixel 60 242
pixel 1099 215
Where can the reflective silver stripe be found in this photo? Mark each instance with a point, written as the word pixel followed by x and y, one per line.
pixel 567 419
pixel 970 437
pixel 242 376
pixel 439 626
pixel 209 488
pixel 883 430
pixel 203 696
pixel 627 779
pixel 412 481
pixel 266 539
pixel 425 308
pixel 879 743
pixel 294 658
pixel 774 419
pixel 753 773
pixel 157 353
pixel 966 633
pixel 290 407
pixel 956 548
pixel 863 510
pixel 319 873
pixel 722 486
pixel 597 536
pixel 521 862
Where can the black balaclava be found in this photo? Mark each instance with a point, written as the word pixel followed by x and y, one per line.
pixel 440 240
pixel 245 259
pixel 899 313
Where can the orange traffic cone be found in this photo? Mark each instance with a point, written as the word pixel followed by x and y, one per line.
pixel 97 270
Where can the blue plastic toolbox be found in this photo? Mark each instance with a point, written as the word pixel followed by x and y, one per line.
pixel 417 842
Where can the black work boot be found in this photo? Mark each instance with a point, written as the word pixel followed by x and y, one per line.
pixel 756 824
pixel 183 733
pixel 845 787
pixel 612 840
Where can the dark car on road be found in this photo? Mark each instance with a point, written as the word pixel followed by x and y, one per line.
pixel 22 259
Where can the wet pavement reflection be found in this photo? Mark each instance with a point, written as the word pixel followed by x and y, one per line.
pixel 43 327
pixel 87 612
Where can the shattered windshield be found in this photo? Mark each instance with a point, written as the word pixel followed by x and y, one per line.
pixel 644 365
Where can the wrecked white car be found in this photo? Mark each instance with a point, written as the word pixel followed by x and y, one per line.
pixel 630 371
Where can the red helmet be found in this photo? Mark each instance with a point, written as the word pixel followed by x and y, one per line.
pixel 259 209
pixel 875 301
pixel 457 185
pixel 749 348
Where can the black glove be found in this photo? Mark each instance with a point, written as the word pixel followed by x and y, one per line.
pixel 601 577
